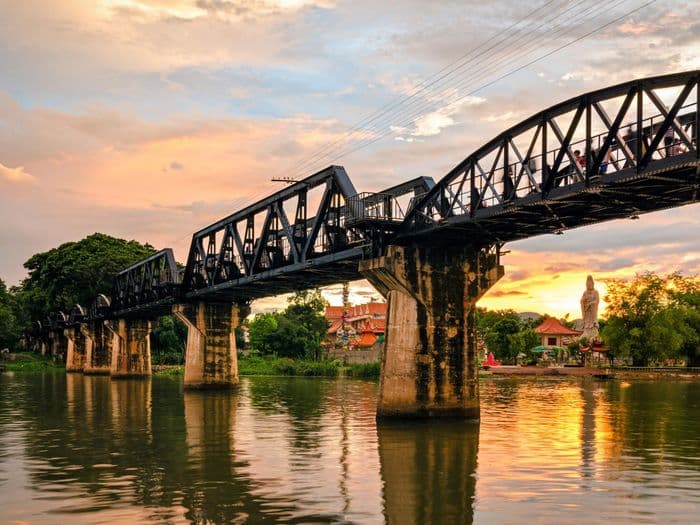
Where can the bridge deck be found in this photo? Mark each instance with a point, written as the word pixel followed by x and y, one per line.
pixel 668 183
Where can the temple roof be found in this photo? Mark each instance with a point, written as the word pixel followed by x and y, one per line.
pixel 357 312
pixel 552 326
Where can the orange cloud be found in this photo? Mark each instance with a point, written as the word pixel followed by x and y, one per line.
pixel 15 175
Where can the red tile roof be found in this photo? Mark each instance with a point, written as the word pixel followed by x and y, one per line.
pixel 552 326
pixel 358 311
pixel 366 339
pixel 334 312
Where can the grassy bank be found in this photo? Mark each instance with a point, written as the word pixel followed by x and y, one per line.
pixel 27 362
pixel 276 366
pixel 169 370
pixel 247 366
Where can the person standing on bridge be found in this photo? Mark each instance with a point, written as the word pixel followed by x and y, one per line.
pixel 668 141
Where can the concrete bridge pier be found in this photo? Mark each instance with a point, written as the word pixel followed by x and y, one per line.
pixel 429 366
pixel 57 345
pixel 98 348
pixel 210 355
pixel 131 347
pixel 75 349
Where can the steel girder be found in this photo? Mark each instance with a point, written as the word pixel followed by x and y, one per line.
pixel 152 281
pixel 253 252
pixel 637 145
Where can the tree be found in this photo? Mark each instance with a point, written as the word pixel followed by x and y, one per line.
pixel 260 329
pixel 523 342
pixel 9 328
pixel 499 338
pixel 652 318
pixel 75 272
pixel 296 332
pixel 168 341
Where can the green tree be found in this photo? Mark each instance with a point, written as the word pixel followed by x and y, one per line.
pixel 523 342
pixel 260 329
pixel 75 272
pixel 499 338
pixel 168 341
pixel 652 318
pixel 295 332
pixel 9 328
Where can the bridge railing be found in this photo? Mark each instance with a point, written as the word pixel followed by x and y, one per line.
pixel 304 222
pixel 375 207
pixel 148 281
pixel 580 141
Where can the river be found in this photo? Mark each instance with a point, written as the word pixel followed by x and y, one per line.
pixel 77 449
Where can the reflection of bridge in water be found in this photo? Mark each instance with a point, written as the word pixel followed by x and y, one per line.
pixel 305 450
pixel 276 451
pixel 432 249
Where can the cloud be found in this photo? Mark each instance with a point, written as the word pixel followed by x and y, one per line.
pixel 15 175
pixel 434 122
pixel 507 293
pixel 636 28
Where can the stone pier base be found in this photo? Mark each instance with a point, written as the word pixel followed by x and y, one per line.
pixel 131 348
pixel 210 354
pixel 57 346
pixel 75 349
pixel 98 348
pixel 429 366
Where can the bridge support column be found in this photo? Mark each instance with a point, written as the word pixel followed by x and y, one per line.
pixel 75 349
pixel 98 348
pixel 210 355
pixel 429 366
pixel 131 348
pixel 57 345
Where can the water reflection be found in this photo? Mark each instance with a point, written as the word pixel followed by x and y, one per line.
pixel 428 471
pixel 91 450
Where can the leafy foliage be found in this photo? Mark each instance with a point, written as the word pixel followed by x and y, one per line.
pixel 168 341
pixel 280 366
pixel 652 318
pixel 9 327
pixel 501 331
pixel 296 332
pixel 75 272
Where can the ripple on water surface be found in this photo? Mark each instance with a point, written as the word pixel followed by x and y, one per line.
pixel 91 450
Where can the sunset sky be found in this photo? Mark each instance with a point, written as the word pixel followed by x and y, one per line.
pixel 149 119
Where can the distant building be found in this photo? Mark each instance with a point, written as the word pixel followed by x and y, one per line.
pixel 554 333
pixel 365 325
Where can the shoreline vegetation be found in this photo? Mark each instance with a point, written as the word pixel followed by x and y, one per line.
pixel 26 362
pixel 282 366
pixel 29 362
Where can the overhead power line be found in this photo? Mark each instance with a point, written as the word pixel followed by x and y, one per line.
pixel 488 63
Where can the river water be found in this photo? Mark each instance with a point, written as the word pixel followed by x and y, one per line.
pixel 77 449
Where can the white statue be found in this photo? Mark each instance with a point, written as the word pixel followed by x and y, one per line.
pixel 589 310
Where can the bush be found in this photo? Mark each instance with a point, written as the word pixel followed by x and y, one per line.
pixel 26 362
pixel 364 370
pixel 277 366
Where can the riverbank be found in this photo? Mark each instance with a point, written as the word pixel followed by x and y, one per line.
pixel 278 366
pixel 28 362
pixel 541 371
pixel 626 373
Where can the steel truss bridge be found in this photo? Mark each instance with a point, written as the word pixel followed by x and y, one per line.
pixel 612 153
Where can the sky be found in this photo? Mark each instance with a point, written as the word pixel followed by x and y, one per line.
pixel 150 119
